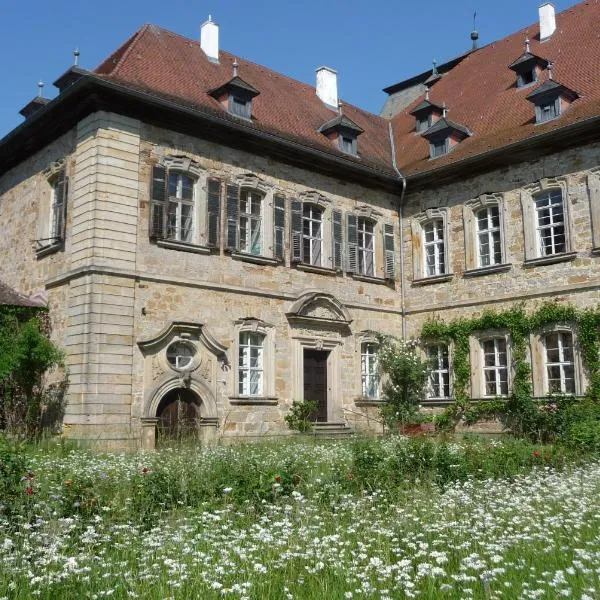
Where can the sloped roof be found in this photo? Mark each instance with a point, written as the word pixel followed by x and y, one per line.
pixel 481 90
pixel 9 297
pixel 175 67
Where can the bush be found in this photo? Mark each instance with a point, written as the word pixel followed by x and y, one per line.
pixel 404 388
pixel 298 419
pixel 13 472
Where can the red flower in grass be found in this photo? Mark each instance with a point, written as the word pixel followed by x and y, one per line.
pixel 146 470
pixel 537 453
pixel 278 478
pixel 29 490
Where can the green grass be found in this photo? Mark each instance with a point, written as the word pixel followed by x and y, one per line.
pixel 352 519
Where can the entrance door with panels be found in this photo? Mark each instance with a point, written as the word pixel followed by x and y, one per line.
pixel 315 382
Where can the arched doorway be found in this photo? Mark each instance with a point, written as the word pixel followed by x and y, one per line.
pixel 178 415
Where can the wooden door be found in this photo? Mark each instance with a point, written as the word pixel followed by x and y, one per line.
pixel 315 382
pixel 178 415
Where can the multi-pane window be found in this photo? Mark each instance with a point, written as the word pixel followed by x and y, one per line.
pixel 560 363
pixel 439 148
pixel 180 212
pixel 240 107
pixel 57 202
pixel 250 222
pixel 369 370
pixel 424 123
pixel 439 374
pixel 434 248
pixel 347 144
pixel 547 111
pixel 366 247
pixel 250 373
pixel 312 234
pixel 489 243
pixel 495 367
pixel 551 236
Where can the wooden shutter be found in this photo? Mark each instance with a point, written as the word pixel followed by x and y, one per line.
pixel 296 231
pixel 336 217
pixel 279 227
pixel 213 206
pixel 158 203
pixel 351 243
pixel 60 208
pixel 389 254
pixel 233 193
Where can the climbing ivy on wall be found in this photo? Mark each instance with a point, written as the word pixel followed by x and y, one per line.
pixel 519 410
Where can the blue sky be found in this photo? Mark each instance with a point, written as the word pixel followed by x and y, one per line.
pixel 371 44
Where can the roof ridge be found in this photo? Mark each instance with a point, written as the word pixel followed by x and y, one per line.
pixel 124 49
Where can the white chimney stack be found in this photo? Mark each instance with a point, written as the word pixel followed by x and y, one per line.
pixel 327 87
pixel 547 21
pixel 209 39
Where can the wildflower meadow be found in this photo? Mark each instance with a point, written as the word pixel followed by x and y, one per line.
pixel 383 519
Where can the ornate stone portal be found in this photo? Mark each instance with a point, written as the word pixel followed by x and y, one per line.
pixel 182 356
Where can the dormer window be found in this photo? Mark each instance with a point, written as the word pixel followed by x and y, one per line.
pixel 551 99
pixel 444 135
pixel 344 132
pixel 236 96
pixel 528 67
pixel 426 114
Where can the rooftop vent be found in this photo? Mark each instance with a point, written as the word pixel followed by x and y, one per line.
pixel 327 87
pixel 547 21
pixel 209 39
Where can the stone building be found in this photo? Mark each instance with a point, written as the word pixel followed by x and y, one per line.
pixel 215 240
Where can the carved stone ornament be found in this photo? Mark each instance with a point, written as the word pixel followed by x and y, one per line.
pixel 157 369
pixel 319 307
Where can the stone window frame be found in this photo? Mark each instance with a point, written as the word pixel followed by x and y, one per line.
pixel 472 259
pixel 46 243
pixel 191 168
pixel 477 362
pixel 418 246
pixel 252 183
pixel 539 359
pixel 267 331
pixel 193 363
pixel 424 351
pixel 532 252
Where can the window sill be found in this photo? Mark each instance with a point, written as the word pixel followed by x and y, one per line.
pixel 258 260
pixel 433 279
pixel 480 271
pixel 253 400
pixel 182 246
pixel 370 279
pixel 368 402
pixel 314 269
pixel 550 260
pixel 437 402
pixel 48 249
pixel 595 252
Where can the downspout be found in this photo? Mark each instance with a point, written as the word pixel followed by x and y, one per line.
pixel 400 220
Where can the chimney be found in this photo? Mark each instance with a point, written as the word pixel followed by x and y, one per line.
pixel 327 88
pixel 547 21
pixel 209 39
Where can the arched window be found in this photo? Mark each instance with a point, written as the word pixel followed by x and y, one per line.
pixel 251 364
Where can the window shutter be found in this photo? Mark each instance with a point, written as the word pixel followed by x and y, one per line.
pixel 59 216
pixel 337 239
pixel 213 206
pixel 233 192
pixel 389 251
pixel 296 231
pixel 157 220
pixel 351 243
pixel 279 228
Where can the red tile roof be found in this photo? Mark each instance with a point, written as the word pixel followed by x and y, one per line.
pixel 481 93
pixel 175 67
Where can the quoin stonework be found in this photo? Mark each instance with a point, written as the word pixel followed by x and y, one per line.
pixel 215 240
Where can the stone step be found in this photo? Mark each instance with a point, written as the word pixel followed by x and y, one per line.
pixel 331 429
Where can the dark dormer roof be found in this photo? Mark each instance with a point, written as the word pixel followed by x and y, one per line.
pixel 33 106
pixel 236 86
pixel 432 79
pixel 69 77
pixel 527 60
pixel 425 106
pixel 447 127
pixel 549 89
pixel 341 123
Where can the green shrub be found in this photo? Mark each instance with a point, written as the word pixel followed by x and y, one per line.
pixel 298 418
pixel 13 475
